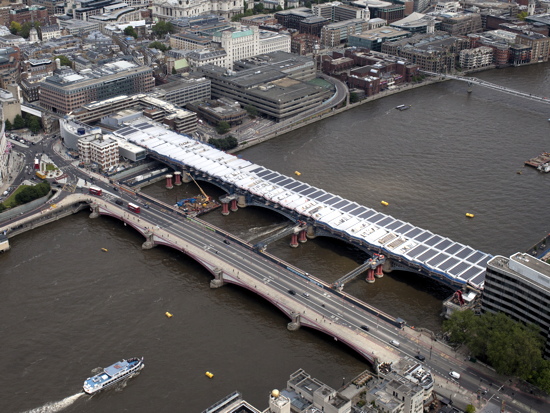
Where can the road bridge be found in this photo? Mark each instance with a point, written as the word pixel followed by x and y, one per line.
pixel 405 246
pixel 306 300
pixel 489 85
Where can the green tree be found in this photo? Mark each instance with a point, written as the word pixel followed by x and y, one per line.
pixel 25 30
pixel 252 111
pixel 259 8
pixel 2 207
pixel 522 15
pixel 174 71
pixel 541 377
pixel 223 127
pixel 158 45
pixel 470 409
pixel 8 125
pixel 15 27
pixel 353 98
pixel 18 122
pixel 130 31
pixel 162 28
pixel 65 61
pixel 33 124
pixel 278 8
pixel 459 326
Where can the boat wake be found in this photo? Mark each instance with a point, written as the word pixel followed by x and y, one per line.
pixel 53 407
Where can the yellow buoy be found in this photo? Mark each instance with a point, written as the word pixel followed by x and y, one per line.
pixel 167 314
pixel 104 249
pixel 208 374
pixel 469 215
pixel 297 173
pixel 385 203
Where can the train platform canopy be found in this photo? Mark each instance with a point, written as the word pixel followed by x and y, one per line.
pixel 419 248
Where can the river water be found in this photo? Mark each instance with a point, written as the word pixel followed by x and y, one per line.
pixel 67 308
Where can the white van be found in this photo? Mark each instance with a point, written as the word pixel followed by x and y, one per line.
pixel 454 375
pixel 394 343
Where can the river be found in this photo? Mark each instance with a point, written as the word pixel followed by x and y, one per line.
pixel 67 308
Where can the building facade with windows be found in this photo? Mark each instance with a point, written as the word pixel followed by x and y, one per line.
pixel 176 9
pixel 519 287
pixel 68 90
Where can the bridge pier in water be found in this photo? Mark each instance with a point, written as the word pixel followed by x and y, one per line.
pixel 217 282
pixel 95 210
pixel 370 276
pixel 185 177
pixel 295 323
pixel 294 240
pixel 234 207
pixel 241 201
pixel 149 240
pixel 302 237
pixel 169 182
pixel 177 177
pixel 225 208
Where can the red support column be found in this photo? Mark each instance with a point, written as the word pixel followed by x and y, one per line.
pixel 234 206
pixel 370 276
pixel 379 272
pixel 225 208
pixel 303 236
pixel 177 175
pixel 294 240
pixel 169 182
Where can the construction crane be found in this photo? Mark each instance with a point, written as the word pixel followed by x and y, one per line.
pixel 206 197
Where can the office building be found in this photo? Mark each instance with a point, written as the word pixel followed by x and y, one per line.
pixel 173 9
pixel 100 150
pixel 519 287
pixel 268 89
pixel 67 90
pixel 184 90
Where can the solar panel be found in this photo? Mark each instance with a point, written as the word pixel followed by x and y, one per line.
pixel 448 264
pixel 267 175
pixel 384 223
pixel 257 170
pixel 317 194
pixel 394 225
pixel 367 214
pixel 350 208
pixel 470 273
pixel 339 205
pixel 332 200
pixel 465 252
pixel 436 239
pixel 293 185
pixel 301 188
pixel 427 255
pixel 443 244
pixel 278 179
pixel 417 251
pixel 308 191
pixel 458 269
pixel 476 257
pixel 453 249
pixel 286 181
pixel 478 279
pixel 405 228
pixel 376 217
pixel 438 259
pixel 324 197
pixel 484 261
pixel 413 232
pixel 358 211
pixel 423 236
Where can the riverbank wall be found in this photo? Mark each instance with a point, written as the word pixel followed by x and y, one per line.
pixel 332 112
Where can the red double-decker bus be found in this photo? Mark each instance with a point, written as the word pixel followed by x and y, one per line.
pixel 94 190
pixel 134 208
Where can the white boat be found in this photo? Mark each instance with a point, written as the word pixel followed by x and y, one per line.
pixel 113 374
pixel 545 167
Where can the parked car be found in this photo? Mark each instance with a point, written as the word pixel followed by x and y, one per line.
pixel 420 357
pixel 454 375
pixel 394 343
pixel 366 328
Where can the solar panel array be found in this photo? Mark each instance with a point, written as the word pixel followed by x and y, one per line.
pixel 456 262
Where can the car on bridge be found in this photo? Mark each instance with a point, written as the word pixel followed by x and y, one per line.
pixel 394 343
pixel 366 328
pixel 420 357
pixel 305 294
pixel 292 292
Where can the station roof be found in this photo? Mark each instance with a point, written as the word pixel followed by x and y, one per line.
pixel 450 260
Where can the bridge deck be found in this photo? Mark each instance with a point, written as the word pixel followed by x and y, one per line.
pixel 458 263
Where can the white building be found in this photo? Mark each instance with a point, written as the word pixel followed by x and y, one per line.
pixel 475 58
pixel 100 150
pixel 175 9
pixel 243 42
